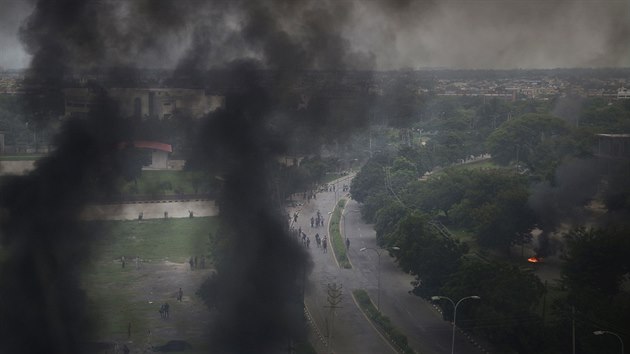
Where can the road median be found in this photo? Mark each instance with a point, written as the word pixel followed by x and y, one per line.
pixel 381 322
pixel 336 240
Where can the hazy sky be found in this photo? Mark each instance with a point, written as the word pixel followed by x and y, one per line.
pixel 428 33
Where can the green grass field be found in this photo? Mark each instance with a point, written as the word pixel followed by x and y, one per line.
pixel 119 296
pixel 156 239
pixel 20 157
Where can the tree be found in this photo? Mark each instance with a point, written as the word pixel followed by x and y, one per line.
pixel 520 138
pixel 596 259
pixel 132 160
pixel 493 204
pixel 440 192
pixel 505 313
pixel 387 217
pixel 505 221
pixel 369 180
pixel 425 253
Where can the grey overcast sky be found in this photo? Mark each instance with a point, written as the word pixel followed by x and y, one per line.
pixel 500 34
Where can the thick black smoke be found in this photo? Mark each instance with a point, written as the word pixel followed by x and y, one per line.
pixel 258 280
pixel 263 49
pixel 262 268
pixel 41 302
pixel 575 184
pixel 42 305
pixel 567 201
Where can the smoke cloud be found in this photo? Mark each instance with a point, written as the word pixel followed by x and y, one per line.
pixel 44 247
pixel 263 49
pixel 489 34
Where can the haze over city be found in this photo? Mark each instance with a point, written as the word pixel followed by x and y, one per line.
pixel 384 35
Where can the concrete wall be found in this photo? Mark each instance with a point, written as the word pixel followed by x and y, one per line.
pixel 159 160
pixel 16 167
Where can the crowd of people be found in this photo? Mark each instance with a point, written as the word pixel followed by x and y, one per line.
pixel 316 220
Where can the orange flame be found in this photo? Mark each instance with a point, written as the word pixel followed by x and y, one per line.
pixel 534 259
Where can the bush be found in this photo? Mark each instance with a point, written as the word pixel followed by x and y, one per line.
pixel 398 339
pixel 336 239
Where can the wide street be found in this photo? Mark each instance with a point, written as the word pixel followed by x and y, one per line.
pixel 418 319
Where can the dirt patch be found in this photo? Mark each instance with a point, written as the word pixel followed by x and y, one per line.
pixel 134 294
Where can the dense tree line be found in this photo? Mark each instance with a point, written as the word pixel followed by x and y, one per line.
pixel 540 160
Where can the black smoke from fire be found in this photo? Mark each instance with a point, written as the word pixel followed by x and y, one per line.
pixel 44 246
pixel 584 192
pixel 42 305
pixel 262 270
pixel 41 302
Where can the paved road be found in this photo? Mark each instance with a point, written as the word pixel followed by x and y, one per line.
pixel 419 320
pixel 352 333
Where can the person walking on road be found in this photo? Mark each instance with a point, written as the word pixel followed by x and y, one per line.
pixel 347 243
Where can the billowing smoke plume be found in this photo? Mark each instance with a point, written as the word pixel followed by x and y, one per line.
pixel 42 305
pixel 41 301
pixel 575 184
pixel 44 246
pixel 257 287
pixel 590 192
pixel 263 49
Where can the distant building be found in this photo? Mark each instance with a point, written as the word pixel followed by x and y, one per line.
pixel 159 153
pixel 613 146
pixel 623 93
pixel 160 103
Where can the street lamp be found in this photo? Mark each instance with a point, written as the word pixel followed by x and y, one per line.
pixel 599 333
pixel 378 297
pixel 436 298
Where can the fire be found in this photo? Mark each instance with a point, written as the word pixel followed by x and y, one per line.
pixel 534 259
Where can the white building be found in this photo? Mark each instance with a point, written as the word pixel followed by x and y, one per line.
pixel 158 103
pixel 623 93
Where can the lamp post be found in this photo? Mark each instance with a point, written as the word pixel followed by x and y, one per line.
pixel 378 296
pixel 599 333
pixel 435 298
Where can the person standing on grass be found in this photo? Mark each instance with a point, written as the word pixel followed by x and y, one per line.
pixel 180 295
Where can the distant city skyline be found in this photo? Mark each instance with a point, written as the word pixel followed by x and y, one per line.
pixel 407 34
